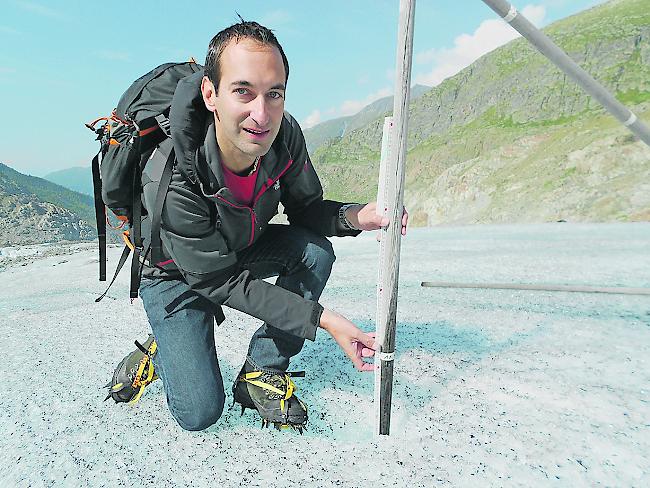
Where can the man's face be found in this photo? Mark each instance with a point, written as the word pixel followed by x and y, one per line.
pixel 249 103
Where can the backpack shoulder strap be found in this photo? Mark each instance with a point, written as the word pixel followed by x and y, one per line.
pixel 136 226
pixel 156 216
pixel 100 216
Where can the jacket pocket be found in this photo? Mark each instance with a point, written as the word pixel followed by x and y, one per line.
pixel 266 207
pixel 237 223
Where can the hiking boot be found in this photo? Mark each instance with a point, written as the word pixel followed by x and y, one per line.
pixel 133 373
pixel 271 393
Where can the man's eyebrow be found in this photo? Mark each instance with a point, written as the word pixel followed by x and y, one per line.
pixel 279 86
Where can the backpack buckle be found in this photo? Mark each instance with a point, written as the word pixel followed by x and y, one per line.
pixel 163 123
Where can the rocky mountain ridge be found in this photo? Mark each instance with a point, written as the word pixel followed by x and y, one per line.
pixel 515 133
pixel 33 211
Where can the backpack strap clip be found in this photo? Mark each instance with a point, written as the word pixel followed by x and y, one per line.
pixel 163 123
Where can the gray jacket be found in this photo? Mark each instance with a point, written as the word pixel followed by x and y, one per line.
pixel 203 227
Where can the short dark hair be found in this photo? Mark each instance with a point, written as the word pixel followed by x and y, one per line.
pixel 236 32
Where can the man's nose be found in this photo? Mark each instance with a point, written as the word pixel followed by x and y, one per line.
pixel 259 111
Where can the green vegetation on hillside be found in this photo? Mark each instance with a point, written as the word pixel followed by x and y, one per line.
pixel 13 182
pixel 502 137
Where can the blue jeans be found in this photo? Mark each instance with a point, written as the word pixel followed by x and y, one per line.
pixel 182 322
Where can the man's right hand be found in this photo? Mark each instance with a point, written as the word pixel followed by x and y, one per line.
pixel 355 343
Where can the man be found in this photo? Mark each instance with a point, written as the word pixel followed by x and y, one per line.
pixel 230 176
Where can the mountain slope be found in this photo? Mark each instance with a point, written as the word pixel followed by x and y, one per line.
pixel 513 94
pixel 318 135
pixel 33 210
pixel 336 128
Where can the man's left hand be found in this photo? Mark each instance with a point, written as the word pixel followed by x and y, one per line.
pixel 364 217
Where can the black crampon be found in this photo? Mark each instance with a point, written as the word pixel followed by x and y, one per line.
pixel 271 394
pixel 133 374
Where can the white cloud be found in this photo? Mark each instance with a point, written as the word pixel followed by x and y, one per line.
pixel 348 107
pixel 535 13
pixel 469 47
pixel 312 119
pixel 39 9
pixel 351 107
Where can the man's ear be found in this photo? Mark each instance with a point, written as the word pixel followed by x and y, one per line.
pixel 209 93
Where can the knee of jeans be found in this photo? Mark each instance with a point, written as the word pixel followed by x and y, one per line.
pixel 320 254
pixel 200 418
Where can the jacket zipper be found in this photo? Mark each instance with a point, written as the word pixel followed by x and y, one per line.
pixel 251 210
pixel 270 182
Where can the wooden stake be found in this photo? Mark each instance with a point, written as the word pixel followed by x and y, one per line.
pixel 391 236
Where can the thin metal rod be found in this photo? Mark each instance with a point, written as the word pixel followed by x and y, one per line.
pixel 392 235
pixel 558 57
pixel 617 290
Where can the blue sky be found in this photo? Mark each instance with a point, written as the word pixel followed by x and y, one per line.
pixel 64 63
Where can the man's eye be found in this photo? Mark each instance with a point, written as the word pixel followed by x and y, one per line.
pixel 241 91
pixel 275 95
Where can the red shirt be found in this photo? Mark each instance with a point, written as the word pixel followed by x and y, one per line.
pixel 241 187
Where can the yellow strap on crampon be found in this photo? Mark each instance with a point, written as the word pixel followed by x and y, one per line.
pixel 138 381
pixel 291 387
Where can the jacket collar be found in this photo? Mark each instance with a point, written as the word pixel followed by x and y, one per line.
pixel 208 161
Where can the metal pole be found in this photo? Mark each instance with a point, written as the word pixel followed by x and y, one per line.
pixel 558 57
pixel 391 236
pixel 613 290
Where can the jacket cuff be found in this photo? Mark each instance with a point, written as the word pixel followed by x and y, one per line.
pixel 314 323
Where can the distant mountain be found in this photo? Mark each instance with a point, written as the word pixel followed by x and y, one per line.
pixel 336 128
pixel 324 132
pixel 34 210
pixel 79 179
pixel 511 139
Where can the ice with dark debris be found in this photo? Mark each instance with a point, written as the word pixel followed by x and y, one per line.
pixel 492 387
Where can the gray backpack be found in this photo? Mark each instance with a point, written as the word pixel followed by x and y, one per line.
pixel 127 138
